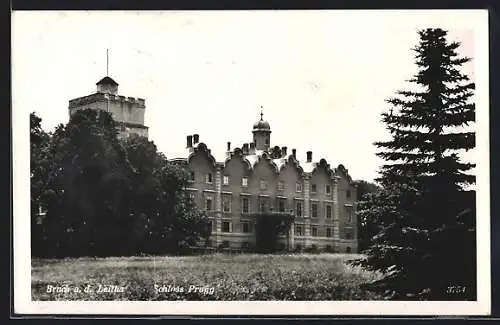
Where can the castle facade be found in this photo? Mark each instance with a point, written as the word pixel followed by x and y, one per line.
pixel 254 180
pixel 257 178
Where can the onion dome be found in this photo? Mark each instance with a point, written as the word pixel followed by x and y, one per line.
pixel 261 125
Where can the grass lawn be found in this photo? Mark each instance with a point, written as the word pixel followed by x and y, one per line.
pixel 205 277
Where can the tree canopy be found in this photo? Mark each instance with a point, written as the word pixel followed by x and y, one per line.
pixel 104 195
pixel 367 227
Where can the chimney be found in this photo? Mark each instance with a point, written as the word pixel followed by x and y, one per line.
pixel 252 148
pixel 189 139
pixel 294 153
pixel 228 146
pixel 283 151
pixel 196 138
pixel 309 156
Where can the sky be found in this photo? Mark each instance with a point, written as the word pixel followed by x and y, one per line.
pixel 322 77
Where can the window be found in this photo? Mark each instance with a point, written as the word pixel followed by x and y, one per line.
pixel 328 189
pixel 348 217
pixel 226 203
pixel 263 204
pixel 263 184
pixel 328 232
pixel 225 244
pixel 245 244
pixel 225 180
pixel 298 209
pixel 313 188
pixel 191 176
pixel 208 178
pixel 208 203
pixel 348 194
pixel 314 231
pixel 281 185
pixel 245 227
pixel 226 226
pixel 244 181
pixel 244 205
pixel 314 210
pixel 348 233
pixel 281 205
pixel 298 230
pixel 192 195
pixel 298 187
pixel 328 211
pixel 267 141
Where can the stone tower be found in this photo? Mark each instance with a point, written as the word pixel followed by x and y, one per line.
pixel 128 112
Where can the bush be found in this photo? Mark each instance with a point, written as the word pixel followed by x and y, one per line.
pixel 313 249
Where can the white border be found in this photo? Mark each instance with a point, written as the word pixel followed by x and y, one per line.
pixel 21 239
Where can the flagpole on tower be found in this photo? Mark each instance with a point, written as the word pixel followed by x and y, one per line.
pixel 107 62
pixel 107 75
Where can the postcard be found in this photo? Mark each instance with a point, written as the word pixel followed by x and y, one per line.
pixel 319 162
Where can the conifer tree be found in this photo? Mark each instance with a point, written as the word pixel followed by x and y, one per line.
pixel 426 217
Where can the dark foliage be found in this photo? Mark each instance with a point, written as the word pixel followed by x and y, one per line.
pixel 425 243
pixel 367 228
pixel 268 228
pixel 103 196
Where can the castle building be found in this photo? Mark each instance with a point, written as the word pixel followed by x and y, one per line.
pixel 128 112
pixel 257 178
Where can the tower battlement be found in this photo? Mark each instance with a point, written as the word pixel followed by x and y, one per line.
pixel 77 102
pixel 127 111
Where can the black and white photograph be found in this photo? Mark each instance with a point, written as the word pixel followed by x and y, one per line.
pixel 331 162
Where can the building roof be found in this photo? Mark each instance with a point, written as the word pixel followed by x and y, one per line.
pixel 253 158
pixel 280 162
pixel 261 125
pixel 308 167
pixel 107 81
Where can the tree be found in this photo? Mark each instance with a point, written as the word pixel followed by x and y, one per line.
pixel 39 166
pixel 166 218
pixel 39 141
pixel 367 227
pixel 425 213
pixel 364 188
pixel 87 189
pixel 269 227
pixel 108 196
